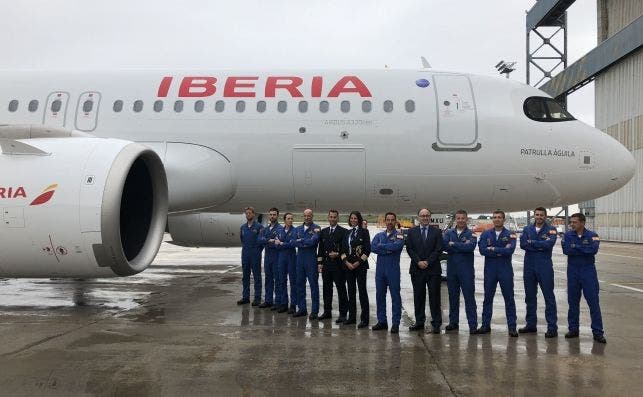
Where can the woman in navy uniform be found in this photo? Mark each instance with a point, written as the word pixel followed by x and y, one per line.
pixel 356 247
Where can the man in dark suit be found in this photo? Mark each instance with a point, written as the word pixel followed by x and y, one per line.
pixel 424 246
pixel 330 266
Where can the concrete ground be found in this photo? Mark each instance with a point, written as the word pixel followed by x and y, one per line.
pixel 176 329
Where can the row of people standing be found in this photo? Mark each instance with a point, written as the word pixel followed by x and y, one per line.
pixel 298 254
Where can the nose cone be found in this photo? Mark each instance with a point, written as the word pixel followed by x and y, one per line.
pixel 622 164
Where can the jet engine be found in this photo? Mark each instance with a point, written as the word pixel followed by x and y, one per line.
pixel 79 207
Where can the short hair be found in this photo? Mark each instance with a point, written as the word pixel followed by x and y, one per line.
pixel 249 209
pixel 333 211
pixel 462 212
pixel 579 216
pixel 420 210
pixel 501 212
pixel 286 214
pixel 390 213
pixel 274 209
pixel 541 209
pixel 359 218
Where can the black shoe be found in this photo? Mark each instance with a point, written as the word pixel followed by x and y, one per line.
pixel 483 330
pixel 513 333
pixel 395 329
pixel 274 308
pixel 416 327
pixel 571 334
pixel 313 316
pixel 362 324
pixel 265 305
pixel 600 339
pixel 350 321
pixel 527 330
pixel 243 301
pixel 379 326
pixel 283 309
pixel 256 302
pixel 473 331
pixel 300 314
pixel 325 315
pixel 435 330
pixel 551 333
pixel 451 327
pixel 340 320
pixel 292 309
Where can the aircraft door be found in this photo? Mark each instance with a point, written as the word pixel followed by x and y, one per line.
pixel 457 116
pixel 318 170
pixel 87 111
pixel 56 109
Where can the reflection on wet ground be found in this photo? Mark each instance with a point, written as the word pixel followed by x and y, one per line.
pixel 175 328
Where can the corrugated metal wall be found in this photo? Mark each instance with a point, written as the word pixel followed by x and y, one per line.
pixel 619 112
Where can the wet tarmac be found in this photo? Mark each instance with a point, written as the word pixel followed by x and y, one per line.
pixel 176 329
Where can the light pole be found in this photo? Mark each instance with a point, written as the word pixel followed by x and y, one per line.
pixel 506 67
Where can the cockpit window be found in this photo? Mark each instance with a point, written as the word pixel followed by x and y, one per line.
pixel 545 109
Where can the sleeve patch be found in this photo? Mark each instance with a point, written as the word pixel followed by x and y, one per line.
pixel 552 231
pixel 596 238
pixel 513 236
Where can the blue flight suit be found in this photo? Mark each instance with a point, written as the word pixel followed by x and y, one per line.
pixel 388 248
pixel 251 258
pixel 498 268
pixel 581 276
pixel 270 258
pixel 460 275
pixel 306 243
pixel 539 269
pixel 286 267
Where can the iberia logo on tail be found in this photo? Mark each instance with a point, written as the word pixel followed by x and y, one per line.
pixel 46 195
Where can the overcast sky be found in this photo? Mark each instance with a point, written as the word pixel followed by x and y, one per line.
pixel 470 36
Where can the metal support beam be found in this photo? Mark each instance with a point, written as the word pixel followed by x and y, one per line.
pixel 583 71
pixel 547 13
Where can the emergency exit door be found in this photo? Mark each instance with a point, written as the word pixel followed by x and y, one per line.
pixel 56 109
pixel 457 116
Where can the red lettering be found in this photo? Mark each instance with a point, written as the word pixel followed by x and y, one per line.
pixel 164 87
pixel 192 87
pixel 232 83
pixel 20 192
pixel 287 83
pixel 316 87
pixel 2 192
pixel 342 87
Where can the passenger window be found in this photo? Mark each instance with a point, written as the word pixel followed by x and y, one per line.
pixel 545 110
pixel 118 106
pixel 409 106
pixel 56 106
pixel 282 106
pixel 158 106
pixel 241 106
pixel 13 105
pixel 138 105
pixel 388 106
pixel 345 106
pixel 219 106
pixel 303 106
pixel 261 106
pixel 33 106
pixel 178 106
pixel 367 106
pixel 323 106
pixel 88 106
pixel 199 106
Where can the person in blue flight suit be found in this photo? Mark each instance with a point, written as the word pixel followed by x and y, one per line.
pixel 497 245
pixel 250 257
pixel 388 246
pixel 286 266
pixel 581 245
pixel 270 257
pixel 306 239
pixel 460 243
pixel 538 240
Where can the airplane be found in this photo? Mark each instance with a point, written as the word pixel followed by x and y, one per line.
pixel 94 165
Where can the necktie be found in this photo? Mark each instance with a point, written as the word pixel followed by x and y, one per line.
pixel 332 229
pixel 424 233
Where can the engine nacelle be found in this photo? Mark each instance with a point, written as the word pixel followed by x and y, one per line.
pixel 79 207
pixel 206 229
